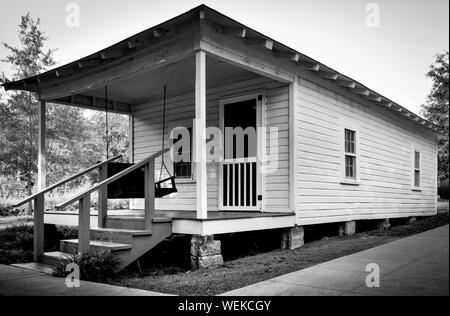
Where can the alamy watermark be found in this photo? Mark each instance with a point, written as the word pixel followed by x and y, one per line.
pixel 73 15
pixel 73 278
pixel 373 278
pixel 373 17
pixel 232 143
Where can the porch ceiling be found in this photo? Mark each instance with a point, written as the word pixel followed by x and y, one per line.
pixel 179 79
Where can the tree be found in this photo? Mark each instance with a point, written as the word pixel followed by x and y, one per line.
pixel 66 130
pixel 19 150
pixel 75 139
pixel 117 134
pixel 436 108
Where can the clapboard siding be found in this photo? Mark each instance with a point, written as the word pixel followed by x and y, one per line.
pixel 276 181
pixel 147 138
pixel 385 149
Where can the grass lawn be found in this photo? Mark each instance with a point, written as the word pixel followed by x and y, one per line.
pixel 15 220
pixel 16 242
pixel 252 269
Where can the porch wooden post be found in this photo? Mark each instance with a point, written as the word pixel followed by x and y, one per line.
pixel 131 137
pixel 199 134
pixel 38 240
pixel 293 126
pixel 84 225
pixel 102 197
pixel 149 186
pixel 41 149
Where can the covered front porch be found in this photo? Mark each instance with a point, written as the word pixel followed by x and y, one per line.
pixel 201 81
pixel 180 74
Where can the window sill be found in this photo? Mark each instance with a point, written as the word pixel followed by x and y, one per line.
pixel 350 182
pixel 416 189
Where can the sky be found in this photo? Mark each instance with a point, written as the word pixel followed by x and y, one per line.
pixel 387 45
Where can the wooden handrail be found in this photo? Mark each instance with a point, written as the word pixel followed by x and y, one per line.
pixel 60 183
pixel 113 178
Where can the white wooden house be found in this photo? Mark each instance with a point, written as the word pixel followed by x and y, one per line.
pixel 343 152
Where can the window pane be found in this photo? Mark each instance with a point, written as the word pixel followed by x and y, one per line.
pixel 350 141
pixel 417 178
pixel 350 167
pixel 417 160
pixel 183 169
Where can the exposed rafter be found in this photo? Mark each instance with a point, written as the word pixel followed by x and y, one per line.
pixel 329 75
pixel 346 83
pixel 63 72
pixel 88 63
pixel 310 66
pixel 113 53
pixel 159 32
pixel 375 98
pixel 287 55
pixel 268 44
pixel 364 92
pixel 202 15
pixel 135 44
pixel 235 31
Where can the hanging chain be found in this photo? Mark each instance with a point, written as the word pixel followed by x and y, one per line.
pixel 107 122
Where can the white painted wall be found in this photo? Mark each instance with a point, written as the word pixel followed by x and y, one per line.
pixel 385 151
pixel 276 182
pixel 180 112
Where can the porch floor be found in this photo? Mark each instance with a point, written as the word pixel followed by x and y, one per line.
pixel 192 215
pixel 186 222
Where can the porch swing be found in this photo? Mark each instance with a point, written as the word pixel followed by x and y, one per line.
pixel 132 185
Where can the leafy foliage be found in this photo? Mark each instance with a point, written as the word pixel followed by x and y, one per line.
pixel 436 108
pixel 444 189
pixel 75 137
pixel 19 124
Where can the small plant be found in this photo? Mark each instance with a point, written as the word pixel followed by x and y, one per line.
pixel 96 268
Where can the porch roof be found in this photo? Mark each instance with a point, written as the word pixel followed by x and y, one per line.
pixel 127 49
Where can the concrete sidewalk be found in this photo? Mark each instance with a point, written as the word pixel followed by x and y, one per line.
pixel 417 265
pixel 16 281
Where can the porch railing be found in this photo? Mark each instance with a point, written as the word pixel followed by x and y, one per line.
pixel 39 204
pixel 85 197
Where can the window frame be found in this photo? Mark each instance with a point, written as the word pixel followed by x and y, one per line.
pixel 414 187
pixel 191 179
pixel 344 154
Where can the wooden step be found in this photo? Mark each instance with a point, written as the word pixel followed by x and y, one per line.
pixel 97 246
pixel 117 235
pixel 54 258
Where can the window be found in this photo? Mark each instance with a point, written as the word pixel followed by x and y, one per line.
pixel 416 169
pixel 350 154
pixel 183 169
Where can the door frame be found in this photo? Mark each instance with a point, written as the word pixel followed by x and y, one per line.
pixel 260 99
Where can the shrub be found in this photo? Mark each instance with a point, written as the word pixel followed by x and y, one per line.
pixel 7 210
pixel 95 268
pixel 443 189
